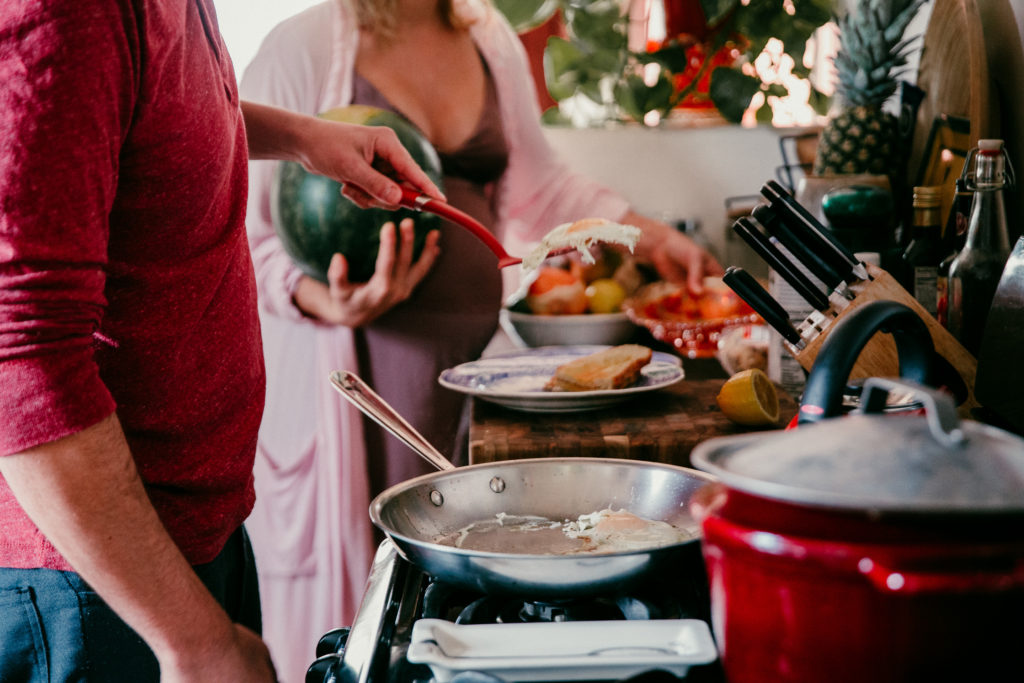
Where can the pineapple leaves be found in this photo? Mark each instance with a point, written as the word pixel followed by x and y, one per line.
pixel 872 50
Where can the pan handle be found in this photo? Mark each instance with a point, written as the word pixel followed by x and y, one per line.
pixel 373 406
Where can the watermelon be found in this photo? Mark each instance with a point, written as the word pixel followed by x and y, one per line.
pixel 314 221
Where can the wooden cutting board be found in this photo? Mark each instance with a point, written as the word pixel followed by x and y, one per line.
pixel 955 73
pixel 663 426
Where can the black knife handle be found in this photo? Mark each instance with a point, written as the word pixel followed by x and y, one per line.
pixel 807 228
pixel 751 291
pixel 762 244
pixel 801 249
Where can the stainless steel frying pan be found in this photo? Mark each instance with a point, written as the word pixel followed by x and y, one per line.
pixel 416 513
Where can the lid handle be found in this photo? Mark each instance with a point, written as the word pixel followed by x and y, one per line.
pixel 939 409
pixel 823 393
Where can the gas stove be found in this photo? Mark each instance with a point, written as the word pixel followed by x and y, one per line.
pixel 403 609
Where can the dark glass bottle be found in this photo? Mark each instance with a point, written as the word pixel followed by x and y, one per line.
pixel 975 272
pixel 953 237
pixel 925 251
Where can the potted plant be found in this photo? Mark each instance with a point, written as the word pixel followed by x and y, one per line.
pixel 707 45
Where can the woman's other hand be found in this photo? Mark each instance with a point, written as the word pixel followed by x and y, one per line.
pixel 675 256
pixel 396 275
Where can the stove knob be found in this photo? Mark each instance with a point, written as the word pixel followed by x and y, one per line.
pixel 332 642
pixel 324 669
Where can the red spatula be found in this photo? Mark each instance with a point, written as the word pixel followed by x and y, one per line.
pixel 411 199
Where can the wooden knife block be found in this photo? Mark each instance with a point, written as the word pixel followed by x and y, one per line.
pixel 879 357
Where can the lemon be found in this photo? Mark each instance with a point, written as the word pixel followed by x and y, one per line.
pixel 748 398
pixel 605 295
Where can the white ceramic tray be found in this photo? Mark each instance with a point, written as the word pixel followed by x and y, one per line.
pixel 564 651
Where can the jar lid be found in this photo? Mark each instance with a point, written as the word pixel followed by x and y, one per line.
pixel 877 463
pixel 990 145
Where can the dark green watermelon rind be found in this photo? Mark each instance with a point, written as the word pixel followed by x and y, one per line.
pixel 314 221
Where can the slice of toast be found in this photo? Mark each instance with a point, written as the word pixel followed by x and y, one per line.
pixel 612 368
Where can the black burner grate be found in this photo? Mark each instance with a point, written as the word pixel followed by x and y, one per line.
pixel 413 595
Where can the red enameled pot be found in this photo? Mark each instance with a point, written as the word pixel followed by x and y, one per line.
pixel 867 549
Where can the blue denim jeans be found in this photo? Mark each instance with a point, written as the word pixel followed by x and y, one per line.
pixel 54 628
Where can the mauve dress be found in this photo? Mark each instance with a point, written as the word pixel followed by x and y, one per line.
pixel 310 529
pixel 450 317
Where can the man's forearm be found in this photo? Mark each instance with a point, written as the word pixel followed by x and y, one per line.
pixel 369 161
pixel 85 495
pixel 272 132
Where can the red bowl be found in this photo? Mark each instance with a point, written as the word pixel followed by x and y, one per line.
pixel 692 325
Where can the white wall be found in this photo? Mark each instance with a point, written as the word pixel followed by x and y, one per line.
pixel 675 173
pixel 244 24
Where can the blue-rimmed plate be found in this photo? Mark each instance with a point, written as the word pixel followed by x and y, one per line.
pixel 516 380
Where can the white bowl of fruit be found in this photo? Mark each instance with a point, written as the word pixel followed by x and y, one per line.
pixel 570 306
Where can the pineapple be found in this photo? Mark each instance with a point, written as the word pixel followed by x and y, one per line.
pixel 861 137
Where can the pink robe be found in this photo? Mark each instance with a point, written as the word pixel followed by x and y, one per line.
pixel 310 528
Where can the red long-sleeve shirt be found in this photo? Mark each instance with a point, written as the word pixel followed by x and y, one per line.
pixel 125 277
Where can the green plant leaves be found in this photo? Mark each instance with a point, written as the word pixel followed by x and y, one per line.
pixel 596 61
pixel 731 91
pixel 716 10
pixel 637 98
pixel 526 14
pixel 819 101
pixel 599 27
pixel 562 68
pixel 672 57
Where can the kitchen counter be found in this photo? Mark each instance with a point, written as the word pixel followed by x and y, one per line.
pixel 662 426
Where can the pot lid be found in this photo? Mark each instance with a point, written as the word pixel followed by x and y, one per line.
pixel 867 461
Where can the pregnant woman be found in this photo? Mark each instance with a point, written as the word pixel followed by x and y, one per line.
pixel 457 71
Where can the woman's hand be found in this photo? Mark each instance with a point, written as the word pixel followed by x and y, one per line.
pixel 675 256
pixel 353 304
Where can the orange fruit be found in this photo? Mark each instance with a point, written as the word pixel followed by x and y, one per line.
pixel 749 398
pixel 556 292
pixel 549 277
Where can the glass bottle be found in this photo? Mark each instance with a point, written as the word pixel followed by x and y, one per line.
pixel 953 237
pixel 975 272
pixel 924 253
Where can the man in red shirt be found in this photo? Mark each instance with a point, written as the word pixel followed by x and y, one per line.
pixel 131 374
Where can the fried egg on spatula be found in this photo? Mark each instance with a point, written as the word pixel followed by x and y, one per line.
pixel 580 236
